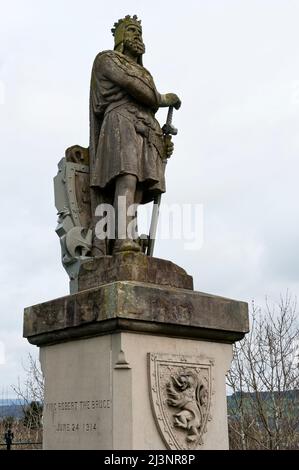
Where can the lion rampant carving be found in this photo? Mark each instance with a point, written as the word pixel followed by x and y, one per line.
pixel 187 392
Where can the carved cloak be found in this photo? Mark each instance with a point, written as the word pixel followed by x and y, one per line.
pixel 125 137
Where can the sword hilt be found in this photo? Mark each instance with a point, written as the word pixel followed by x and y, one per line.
pixel 169 116
pixel 168 128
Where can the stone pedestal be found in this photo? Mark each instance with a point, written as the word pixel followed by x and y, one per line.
pixel 135 365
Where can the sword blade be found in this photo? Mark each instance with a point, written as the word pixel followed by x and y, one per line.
pixel 154 225
pixel 157 201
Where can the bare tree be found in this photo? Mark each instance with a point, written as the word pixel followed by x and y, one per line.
pixel 33 387
pixel 31 395
pixel 264 377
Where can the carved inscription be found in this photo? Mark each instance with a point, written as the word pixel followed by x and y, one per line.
pixel 73 427
pixel 77 405
pixel 77 416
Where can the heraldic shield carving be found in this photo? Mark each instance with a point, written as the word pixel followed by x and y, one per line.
pixel 181 389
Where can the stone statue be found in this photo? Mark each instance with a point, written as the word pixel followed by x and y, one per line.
pixel 127 145
pixel 133 321
pixel 126 156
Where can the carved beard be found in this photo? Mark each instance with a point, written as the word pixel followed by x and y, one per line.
pixel 135 45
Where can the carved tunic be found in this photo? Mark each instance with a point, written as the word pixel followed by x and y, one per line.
pixel 125 137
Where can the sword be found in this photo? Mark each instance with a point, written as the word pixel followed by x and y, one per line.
pixel 168 131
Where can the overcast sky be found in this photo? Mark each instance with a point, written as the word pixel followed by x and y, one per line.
pixel 235 65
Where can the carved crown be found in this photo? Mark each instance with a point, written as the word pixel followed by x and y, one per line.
pixel 128 19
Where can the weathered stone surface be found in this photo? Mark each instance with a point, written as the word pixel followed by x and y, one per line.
pixel 97 392
pixel 131 306
pixel 130 266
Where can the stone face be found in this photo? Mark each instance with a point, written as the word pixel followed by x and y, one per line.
pixel 130 266
pixel 98 392
pixel 131 306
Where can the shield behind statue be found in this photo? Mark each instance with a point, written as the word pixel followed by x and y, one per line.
pixel 72 200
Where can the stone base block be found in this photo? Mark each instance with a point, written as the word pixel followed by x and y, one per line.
pixel 130 365
pixel 110 392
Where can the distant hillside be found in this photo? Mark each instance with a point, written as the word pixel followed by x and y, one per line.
pixel 11 401
pixel 288 395
pixel 11 407
pixel 13 410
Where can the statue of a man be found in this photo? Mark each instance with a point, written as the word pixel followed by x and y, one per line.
pixel 127 146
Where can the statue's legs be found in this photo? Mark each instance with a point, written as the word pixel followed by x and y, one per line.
pixel 127 196
pixel 125 213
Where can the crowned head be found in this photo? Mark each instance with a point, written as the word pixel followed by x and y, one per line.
pixel 127 34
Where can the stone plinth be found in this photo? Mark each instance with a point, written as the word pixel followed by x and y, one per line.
pixel 130 266
pixel 98 391
pixel 121 358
